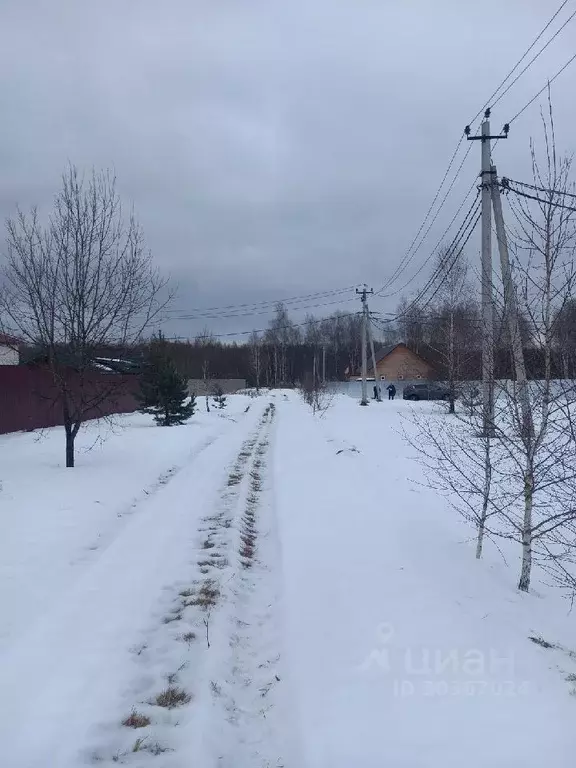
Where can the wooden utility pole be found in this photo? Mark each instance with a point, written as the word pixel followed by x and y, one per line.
pixel 511 311
pixel 487 298
pixel 363 294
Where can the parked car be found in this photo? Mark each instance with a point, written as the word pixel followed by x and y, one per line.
pixel 428 391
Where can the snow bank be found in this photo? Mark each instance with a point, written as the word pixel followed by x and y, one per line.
pixel 405 651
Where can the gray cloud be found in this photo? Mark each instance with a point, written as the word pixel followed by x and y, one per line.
pixel 270 148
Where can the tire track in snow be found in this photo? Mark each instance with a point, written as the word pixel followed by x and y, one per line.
pixel 179 651
pixel 248 692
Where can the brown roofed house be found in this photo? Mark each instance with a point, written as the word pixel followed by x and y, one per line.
pixel 397 363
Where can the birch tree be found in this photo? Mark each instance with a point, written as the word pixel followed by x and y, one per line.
pixel 256 357
pixel 80 281
pixel 545 233
pixel 449 331
pixel 520 485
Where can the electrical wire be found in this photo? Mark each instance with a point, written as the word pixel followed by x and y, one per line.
pixel 554 36
pixel 539 200
pixel 452 248
pixel 264 330
pixel 404 265
pixel 434 250
pixel 533 99
pixel 216 312
pixel 414 247
pixel 428 212
pixel 454 261
pixel 506 180
pixel 257 304
pixel 406 261
pixel 520 60
pixel 268 311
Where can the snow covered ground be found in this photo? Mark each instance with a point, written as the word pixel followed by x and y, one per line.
pixel 265 588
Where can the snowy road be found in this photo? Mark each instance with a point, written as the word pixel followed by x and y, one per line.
pixel 113 639
pixel 272 592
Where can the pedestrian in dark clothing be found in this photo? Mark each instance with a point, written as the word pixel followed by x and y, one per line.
pixel 391 391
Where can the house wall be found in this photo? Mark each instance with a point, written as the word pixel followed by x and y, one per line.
pixel 8 355
pixel 401 364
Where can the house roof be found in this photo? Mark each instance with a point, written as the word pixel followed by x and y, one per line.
pixel 385 351
pixel 67 359
pixel 9 341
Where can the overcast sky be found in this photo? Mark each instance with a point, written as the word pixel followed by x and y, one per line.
pixel 271 148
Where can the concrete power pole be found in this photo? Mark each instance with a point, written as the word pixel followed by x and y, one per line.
pixel 371 340
pixel 511 311
pixel 487 297
pixel 363 294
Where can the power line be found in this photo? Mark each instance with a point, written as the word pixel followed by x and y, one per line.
pixel 532 60
pixel 256 304
pixel 440 240
pixel 506 180
pixel 539 200
pixel 436 272
pixel 520 60
pixel 268 311
pixel 549 83
pixel 264 330
pixel 412 251
pixel 402 267
pixel 428 212
pixel 454 261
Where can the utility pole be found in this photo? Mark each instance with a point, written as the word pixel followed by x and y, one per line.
pixel 324 364
pixel 363 294
pixel 487 298
pixel 371 340
pixel 511 311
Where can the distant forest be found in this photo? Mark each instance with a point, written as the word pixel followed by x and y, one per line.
pixel 287 351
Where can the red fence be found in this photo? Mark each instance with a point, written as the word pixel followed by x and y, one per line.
pixel 29 398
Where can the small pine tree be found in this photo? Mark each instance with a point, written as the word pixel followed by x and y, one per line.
pixel 163 392
pixel 219 397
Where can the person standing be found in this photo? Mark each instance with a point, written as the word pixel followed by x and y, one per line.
pixel 391 391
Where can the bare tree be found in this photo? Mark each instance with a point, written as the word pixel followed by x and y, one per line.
pixel 313 335
pixel 546 457
pixel 281 335
pixel 79 282
pixel 205 338
pixel 411 324
pixel 449 332
pixel 521 485
pixel 207 382
pixel 460 465
pixel 256 357
pixel 314 392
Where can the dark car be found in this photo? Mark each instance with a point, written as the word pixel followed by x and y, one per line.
pixel 428 391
